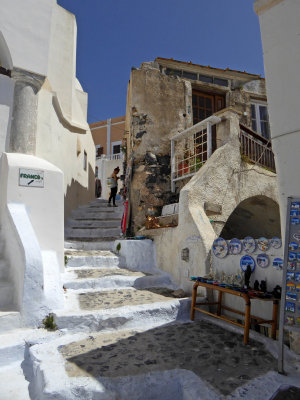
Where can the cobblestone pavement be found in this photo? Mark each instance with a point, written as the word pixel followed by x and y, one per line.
pixel 125 297
pixel 217 356
pixel 103 272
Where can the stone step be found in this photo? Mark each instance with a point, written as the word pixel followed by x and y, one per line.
pixel 100 278
pixel 88 214
pixel 87 232
pixel 99 242
pixel 102 311
pixel 94 223
pixel 103 244
pixel 6 295
pixel 100 207
pixel 99 259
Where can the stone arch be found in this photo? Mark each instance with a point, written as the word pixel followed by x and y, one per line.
pixel 5 56
pixel 255 216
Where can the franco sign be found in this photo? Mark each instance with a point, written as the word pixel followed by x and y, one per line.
pixel 31 178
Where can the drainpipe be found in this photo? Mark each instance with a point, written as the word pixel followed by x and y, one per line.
pixel 108 138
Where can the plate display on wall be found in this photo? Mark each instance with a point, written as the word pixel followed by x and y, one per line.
pixel 220 247
pixel 293 246
pixel 263 243
pixel 249 244
pixel 278 263
pixel 262 260
pixel 235 246
pixel 276 242
pixel 247 260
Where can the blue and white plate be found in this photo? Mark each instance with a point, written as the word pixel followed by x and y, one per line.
pixel 220 248
pixel 249 244
pixel 247 260
pixel 235 246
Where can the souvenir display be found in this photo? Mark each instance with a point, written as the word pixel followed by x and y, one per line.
pixel 295 221
pixel 263 243
pixel 290 276
pixel 262 260
pixel 290 307
pixel 235 246
pixel 293 246
pixel 297 276
pixel 220 248
pixel 278 263
pixel 247 260
pixel 290 320
pixel 276 242
pixel 293 212
pixel 296 205
pixel 292 256
pixel 249 244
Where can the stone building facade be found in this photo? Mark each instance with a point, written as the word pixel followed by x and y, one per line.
pixel 166 97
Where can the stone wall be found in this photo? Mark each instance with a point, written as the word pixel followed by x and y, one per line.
pixel 158 107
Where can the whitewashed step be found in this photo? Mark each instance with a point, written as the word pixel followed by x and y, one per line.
pixel 6 294
pixel 126 317
pixel 100 278
pixel 92 232
pixel 99 259
pixel 8 320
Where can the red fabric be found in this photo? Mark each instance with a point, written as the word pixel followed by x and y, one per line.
pixel 124 217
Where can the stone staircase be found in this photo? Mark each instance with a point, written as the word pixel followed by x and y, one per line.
pixel 94 226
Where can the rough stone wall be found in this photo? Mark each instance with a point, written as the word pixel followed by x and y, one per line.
pixel 158 109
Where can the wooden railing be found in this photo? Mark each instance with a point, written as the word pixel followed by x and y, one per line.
pixel 256 148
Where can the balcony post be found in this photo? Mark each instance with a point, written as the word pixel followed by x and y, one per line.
pixel 209 140
pixel 172 165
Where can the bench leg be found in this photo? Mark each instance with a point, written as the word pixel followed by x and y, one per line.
pixel 193 302
pixel 220 295
pixel 274 318
pixel 247 322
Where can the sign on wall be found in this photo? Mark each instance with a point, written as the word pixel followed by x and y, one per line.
pixel 31 177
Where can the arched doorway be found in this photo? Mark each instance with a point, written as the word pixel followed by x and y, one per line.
pixel 256 216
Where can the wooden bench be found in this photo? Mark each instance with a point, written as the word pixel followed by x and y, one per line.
pixel 247 314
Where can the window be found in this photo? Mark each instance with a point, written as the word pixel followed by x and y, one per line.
pixel 204 105
pixel 85 161
pixel 189 75
pixel 117 149
pixel 260 119
pixel 99 150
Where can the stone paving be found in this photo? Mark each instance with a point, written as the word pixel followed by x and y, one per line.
pixel 216 355
pixel 104 272
pixel 126 297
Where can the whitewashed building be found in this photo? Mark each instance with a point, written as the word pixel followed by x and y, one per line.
pixel 47 153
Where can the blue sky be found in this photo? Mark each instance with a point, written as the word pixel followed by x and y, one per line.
pixel 115 35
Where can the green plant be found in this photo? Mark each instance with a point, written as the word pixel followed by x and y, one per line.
pixel 66 260
pixel 118 247
pixel 49 323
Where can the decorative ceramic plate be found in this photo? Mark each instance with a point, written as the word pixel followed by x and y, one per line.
pixel 262 260
pixel 247 260
pixel 276 242
pixel 235 246
pixel 295 205
pixel 249 244
pixel 278 263
pixel 263 243
pixel 220 248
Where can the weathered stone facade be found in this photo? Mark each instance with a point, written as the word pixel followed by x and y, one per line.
pixel 159 105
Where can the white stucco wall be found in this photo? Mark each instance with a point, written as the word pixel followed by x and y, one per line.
pixel 26 28
pixel 44 205
pixel 32 230
pixel 279 24
pixel 6 104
